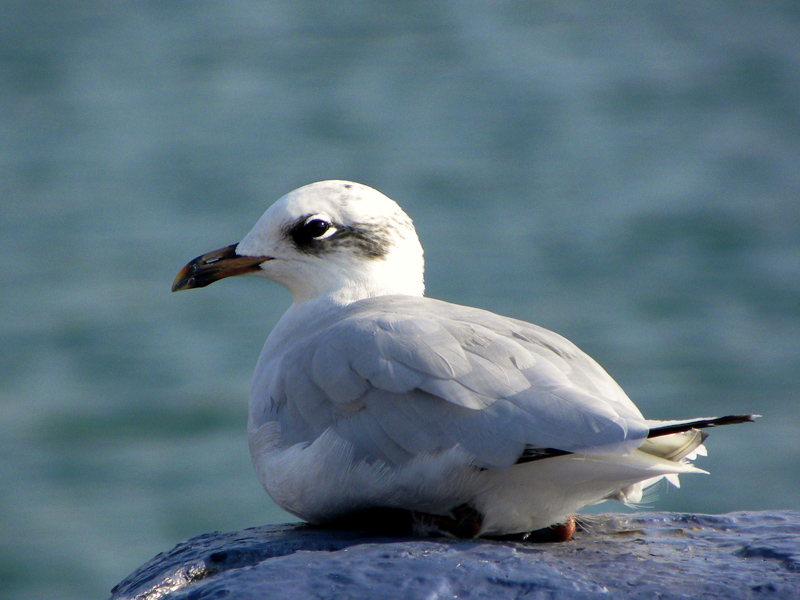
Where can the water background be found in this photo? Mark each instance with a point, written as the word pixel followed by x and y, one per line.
pixel 624 173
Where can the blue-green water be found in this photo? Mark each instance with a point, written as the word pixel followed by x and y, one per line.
pixel 627 174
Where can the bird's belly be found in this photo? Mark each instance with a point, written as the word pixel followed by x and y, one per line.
pixel 322 480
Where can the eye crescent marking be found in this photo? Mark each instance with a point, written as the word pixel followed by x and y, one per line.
pixel 331 230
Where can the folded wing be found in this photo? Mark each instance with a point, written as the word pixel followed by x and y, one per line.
pixel 398 376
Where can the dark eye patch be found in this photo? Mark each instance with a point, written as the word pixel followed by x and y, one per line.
pixel 315 235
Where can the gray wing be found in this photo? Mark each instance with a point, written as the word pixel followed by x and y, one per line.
pixel 398 376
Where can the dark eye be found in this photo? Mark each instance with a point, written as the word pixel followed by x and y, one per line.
pixel 304 233
pixel 316 228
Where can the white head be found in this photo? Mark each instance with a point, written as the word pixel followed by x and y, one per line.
pixel 332 238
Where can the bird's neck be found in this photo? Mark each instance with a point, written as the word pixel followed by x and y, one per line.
pixel 307 316
pixel 344 283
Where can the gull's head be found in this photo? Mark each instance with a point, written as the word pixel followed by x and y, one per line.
pixel 332 238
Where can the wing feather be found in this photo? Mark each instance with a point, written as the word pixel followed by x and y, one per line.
pixel 399 376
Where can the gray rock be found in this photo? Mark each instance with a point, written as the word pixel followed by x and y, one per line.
pixel 644 555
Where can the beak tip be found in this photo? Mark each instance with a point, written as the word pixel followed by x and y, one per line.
pixel 183 280
pixel 187 283
pixel 213 266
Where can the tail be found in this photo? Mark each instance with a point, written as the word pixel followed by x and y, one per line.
pixel 674 448
pixel 675 440
pixel 678 442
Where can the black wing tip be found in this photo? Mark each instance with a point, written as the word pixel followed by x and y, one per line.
pixel 701 424
pixel 533 453
pixel 735 419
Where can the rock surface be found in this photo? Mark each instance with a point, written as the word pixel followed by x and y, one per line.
pixel 644 555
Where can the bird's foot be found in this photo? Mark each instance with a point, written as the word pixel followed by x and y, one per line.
pixel 561 532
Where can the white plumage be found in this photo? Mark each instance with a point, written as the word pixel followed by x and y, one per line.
pixel 368 395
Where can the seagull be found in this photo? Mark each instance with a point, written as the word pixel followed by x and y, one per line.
pixel 374 406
